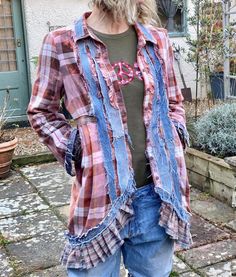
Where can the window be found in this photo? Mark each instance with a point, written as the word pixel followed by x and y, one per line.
pixel 172 16
pixel 7 40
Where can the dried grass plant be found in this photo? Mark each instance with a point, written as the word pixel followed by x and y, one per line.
pixel 3 120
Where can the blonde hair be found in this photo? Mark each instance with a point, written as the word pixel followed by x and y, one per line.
pixel 144 12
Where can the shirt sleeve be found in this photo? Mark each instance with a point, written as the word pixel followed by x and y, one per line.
pixel 175 97
pixel 43 111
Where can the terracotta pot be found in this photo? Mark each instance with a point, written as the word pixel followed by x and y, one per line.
pixel 6 154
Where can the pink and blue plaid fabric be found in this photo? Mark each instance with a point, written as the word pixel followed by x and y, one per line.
pixel 95 217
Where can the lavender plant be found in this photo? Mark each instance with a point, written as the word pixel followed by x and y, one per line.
pixel 216 131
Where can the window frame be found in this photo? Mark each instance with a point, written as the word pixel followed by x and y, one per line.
pixel 185 26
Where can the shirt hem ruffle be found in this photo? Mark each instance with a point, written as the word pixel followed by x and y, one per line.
pixel 87 254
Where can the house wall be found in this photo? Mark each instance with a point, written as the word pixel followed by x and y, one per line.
pixel 39 13
pixel 233 5
pixel 188 68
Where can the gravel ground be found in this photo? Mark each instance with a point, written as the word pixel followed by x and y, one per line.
pixel 28 141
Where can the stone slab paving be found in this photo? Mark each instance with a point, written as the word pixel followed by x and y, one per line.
pixel 12 176
pixel 47 176
pixel 41 169
pixel 37 253
pixel 57 271
pixel 30 225
pixel 52 182
pixel 190 274
pixel 179 266
pixel 14 186
pixel 35 235
pixel 195 194
pixel 21 204
pixel 232 224
pixel 5 268
pixel 231 160
pixel 204 232
pixel 212 209
pixel 210 254
pixel 64 212
pixel 58 196
pixel 224 269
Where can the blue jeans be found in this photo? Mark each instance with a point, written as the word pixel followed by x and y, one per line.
pixel 147 250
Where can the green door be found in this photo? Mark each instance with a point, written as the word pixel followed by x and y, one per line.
pixel 13 71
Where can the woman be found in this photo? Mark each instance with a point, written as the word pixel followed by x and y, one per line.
pixel 114 68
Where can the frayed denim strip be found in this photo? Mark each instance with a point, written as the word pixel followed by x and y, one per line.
pixel 172 200
pixel 79 28
pixel 166 123
pixel 161 146
pixel 69 157
pixel 115 120
pixel 102 126
pixel 159 151
pixel 170 139
pixel 147 34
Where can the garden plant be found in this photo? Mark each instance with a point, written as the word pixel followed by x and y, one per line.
pixel 7 143
pixel 216 131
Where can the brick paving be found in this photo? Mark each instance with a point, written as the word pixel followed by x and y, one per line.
pixel 34 204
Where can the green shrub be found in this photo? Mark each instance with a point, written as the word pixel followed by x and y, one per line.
pixel 216 131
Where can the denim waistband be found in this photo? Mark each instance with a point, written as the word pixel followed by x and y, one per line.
pixel 145 190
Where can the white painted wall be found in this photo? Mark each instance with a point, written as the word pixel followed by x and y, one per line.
pixel 187 68
pixel 233 5
pixel 61 12
pixel 38 13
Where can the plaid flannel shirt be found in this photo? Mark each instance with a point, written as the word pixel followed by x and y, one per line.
pixel 74 64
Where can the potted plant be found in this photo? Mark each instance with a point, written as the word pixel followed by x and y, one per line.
pixel 212 48
pixel 214 28
pixel 7 144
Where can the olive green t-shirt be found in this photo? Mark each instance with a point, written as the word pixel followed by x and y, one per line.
pixel 122 50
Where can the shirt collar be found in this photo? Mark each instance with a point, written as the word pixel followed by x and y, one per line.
pixel 82 31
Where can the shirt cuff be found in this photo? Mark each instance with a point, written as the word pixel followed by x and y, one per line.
pixel 183 134
pixel 73 151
